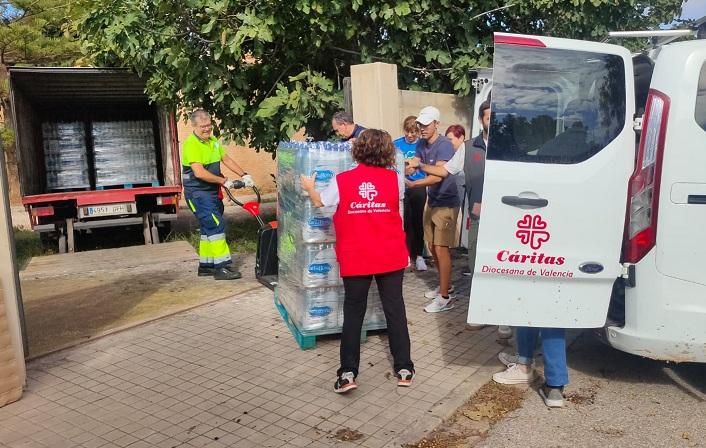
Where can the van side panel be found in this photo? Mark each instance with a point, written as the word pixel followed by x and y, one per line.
pixel 680 228
pixel 665 313
pixel 664 317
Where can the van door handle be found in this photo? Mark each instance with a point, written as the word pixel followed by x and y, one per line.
pixel 696 199
pixel 517 201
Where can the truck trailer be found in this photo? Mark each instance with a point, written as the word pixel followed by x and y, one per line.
pixel 93 152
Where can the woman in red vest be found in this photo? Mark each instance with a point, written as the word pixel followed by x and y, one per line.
pixel 370 242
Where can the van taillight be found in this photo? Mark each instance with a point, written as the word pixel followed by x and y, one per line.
pixel 643 189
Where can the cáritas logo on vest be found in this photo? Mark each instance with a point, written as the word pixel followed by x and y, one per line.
pixel 367 191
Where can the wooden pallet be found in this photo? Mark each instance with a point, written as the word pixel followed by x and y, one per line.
pixel 128 185
pixel 308 341
pixel 69 189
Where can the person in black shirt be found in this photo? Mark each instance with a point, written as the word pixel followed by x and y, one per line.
pixel 343 124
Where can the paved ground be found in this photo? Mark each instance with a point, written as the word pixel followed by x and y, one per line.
pixel 615 400
pixel 230 374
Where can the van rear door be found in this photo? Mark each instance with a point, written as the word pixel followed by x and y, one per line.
pixel 561 150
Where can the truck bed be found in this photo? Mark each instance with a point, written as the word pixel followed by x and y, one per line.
pixel 99 196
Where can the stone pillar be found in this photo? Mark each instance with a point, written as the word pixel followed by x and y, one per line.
pixel 376 98
pixel 12 366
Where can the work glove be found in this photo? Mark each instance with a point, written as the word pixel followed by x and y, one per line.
pixel 247 180
pixel 229 184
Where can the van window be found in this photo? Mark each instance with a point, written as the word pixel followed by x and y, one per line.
pixel 700 112
pixel 554 106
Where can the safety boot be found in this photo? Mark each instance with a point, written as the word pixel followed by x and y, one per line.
pixel 226 273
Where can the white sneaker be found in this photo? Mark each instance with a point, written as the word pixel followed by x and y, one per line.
pixel 439 304
pixel 435 292
pixel 513 375
pixel 508 359
pixel 421 264
pixel 504 332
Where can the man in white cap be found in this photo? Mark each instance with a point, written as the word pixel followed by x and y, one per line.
pixel 442 205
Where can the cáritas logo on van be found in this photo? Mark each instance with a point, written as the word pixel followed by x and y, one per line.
pixel 532 231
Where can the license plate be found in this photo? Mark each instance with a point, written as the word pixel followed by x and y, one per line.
pixel 125 208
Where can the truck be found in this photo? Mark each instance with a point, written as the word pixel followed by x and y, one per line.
pixel 594 200
pixel 93 152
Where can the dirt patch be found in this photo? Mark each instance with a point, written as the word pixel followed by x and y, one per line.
pixel 585 395
pixel 610 431
pixel 347 435
pixel 472 421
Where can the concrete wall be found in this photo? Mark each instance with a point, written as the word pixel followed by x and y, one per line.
pixel 454 109
pixel 12 367
pixel 378 103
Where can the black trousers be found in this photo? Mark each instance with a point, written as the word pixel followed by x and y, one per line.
pixel 354 306
pixel 414 201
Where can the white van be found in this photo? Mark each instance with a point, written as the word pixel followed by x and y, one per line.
pixel 595 194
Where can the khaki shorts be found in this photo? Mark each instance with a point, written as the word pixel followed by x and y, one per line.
pixel 440 226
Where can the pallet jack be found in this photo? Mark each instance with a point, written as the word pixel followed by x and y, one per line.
pixel 266 261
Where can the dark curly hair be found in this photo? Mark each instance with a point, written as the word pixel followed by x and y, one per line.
pixel 374 147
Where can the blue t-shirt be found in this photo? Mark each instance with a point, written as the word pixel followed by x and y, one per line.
pixel 409 150
pixel 444 193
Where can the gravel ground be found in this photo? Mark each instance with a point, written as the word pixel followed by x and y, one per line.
pixel 614 400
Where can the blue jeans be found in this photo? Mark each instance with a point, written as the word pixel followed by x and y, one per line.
pixel 556 372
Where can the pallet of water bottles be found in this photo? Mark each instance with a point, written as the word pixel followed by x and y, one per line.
pixel 110 155
pixel 309 295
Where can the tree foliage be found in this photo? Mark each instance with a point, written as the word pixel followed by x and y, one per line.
pixel 265 68
pixel 37 32
pixel 34 32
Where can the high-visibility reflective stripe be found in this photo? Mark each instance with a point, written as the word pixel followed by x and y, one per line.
pixel 191 205
pixel 216 237
pixel 215 219
pixel 206 260
pixel 219 260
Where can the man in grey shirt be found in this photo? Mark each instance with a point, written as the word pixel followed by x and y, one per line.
pixel 470 159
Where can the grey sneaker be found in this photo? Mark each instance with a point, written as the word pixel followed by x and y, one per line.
pixel 553 396
pixel 434 292
pixel 507 358
pixel 504 332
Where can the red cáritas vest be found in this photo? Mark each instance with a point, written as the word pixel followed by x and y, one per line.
pixel 370 238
